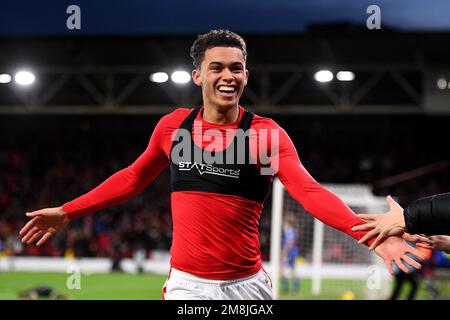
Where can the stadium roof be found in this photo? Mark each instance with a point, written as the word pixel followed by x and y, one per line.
pixel 394 71
pixel 115 17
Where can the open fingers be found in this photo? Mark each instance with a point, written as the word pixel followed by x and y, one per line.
pixel 366 216
pixel 369 235
pixel 424 239
pixel 412 262
pixel 28 226
pixel 35 237
pixel 408 237
pixel 416 253
pixel 44 239
pixel 417 238
pixel 401 265
pixel 377 241
pixel 363 227
pixel 389 266
pixel 29 234
pixel 425 245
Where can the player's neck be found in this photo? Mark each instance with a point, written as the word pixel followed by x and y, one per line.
pixel 217 116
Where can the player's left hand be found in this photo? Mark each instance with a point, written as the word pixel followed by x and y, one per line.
pixel 383 225
pixel 394 249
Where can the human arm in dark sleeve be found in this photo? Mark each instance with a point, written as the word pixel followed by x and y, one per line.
pixel 429 215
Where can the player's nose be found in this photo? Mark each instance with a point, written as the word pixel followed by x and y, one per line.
pixel 227 75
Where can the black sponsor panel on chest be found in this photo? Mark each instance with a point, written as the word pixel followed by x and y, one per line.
pixel 230 171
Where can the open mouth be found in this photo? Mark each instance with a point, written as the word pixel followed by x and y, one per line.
pixel 226 91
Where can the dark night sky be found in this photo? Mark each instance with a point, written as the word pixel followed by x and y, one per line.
pixel 114 17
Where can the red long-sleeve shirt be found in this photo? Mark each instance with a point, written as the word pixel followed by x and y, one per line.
pixel 215 235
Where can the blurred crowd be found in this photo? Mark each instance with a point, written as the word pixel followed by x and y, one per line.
pixel 45 172
pixel 44 167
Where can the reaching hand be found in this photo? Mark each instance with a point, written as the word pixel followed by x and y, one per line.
pixel 433 242
pixel 391 223
pixel 394 249
pixel 44 224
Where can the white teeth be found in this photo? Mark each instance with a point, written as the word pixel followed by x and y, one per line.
pixel 226 89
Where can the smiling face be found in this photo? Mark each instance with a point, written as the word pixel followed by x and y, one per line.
pixel 222 76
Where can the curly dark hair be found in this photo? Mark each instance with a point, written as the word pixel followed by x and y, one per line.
pixel 216 38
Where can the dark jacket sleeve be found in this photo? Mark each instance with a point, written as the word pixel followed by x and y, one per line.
pixel 430 215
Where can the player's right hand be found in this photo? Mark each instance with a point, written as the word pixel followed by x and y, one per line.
pixel 43 225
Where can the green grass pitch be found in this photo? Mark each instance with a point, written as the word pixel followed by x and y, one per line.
pixel 122 286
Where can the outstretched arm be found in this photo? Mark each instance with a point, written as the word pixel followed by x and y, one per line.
pixel 125 183
pixel 316 199
pixel 328 208
pixel 118 188
pixel 430 215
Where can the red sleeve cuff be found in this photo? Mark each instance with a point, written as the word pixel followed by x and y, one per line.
pixel 70 211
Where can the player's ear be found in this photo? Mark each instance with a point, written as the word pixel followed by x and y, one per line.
pixel 246 77
pixel 196 77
